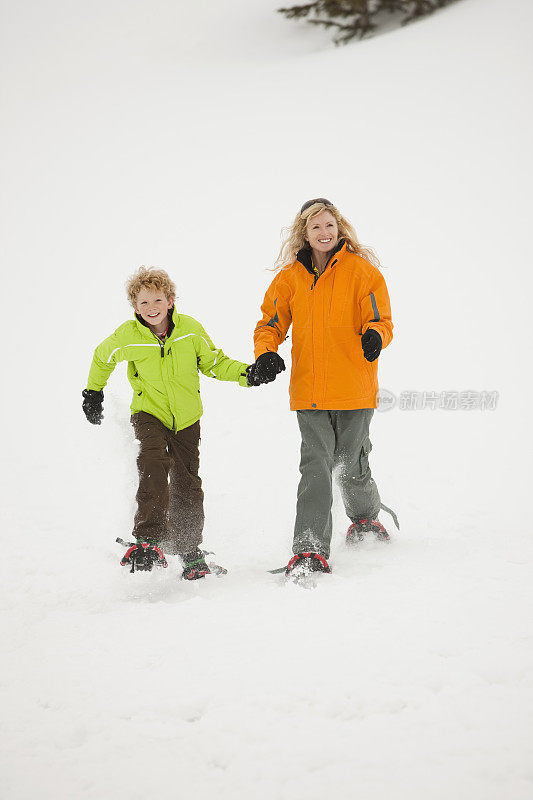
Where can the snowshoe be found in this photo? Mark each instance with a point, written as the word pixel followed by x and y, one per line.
pixel 303 564
pixel 360 527
pixel 216 569
pixel 195 565
pixel 142 556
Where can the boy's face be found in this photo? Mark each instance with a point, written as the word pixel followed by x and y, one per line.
pixel 153 307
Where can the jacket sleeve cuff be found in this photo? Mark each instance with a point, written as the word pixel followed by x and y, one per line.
pixel 384 331
pixel 243 379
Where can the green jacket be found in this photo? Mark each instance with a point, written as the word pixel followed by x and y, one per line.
pixel 165 376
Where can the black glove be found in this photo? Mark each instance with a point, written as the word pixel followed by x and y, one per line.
pixel 92 405
pixel 371 344
pixel 251 377
pixel 267 366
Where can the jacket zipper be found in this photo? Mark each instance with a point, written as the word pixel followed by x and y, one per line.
pixel 313 405
pixel 322 273
pixel 162 350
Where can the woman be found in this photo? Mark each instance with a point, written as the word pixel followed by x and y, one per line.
pixel 331 291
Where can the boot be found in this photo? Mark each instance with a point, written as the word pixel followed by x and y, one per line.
pixel 194 565
pixel 305 563
pixel 359 527
pixel 143 556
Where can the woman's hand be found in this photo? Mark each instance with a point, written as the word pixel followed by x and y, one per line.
pixel 371 343
pixel 267 366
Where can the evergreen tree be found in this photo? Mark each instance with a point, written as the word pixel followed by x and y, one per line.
pixel 353 18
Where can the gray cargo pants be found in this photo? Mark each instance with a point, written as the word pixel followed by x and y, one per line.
pixel 332 439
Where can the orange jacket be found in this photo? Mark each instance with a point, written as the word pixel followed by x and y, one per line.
pixel 329 314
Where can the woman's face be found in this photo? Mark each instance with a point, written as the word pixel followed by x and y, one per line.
pixel 322 232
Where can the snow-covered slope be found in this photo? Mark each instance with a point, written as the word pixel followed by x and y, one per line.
pixel 187 137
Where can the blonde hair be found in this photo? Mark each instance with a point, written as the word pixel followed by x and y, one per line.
pixel 294 236
pixel 150 278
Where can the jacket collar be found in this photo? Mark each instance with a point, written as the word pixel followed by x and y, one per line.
pixel 172 317
pixel 305 256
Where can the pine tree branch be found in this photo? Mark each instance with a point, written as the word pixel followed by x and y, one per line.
pixel 360 13
pixel 296 12
pixel 359 28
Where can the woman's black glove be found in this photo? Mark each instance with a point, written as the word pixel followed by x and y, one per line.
pixel 92 405
pixel 372 344
pixel 267 366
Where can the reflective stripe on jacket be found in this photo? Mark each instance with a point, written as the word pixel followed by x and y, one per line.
pixel 328 314
pixel 164 377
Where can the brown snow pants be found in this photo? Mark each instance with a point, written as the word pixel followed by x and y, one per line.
pixel 170 500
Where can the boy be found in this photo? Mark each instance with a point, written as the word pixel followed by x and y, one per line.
pixel 164 350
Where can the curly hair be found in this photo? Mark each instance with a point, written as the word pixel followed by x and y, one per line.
pixel 152 278
pixel 294 235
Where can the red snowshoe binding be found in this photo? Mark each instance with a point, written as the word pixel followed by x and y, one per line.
pixel 357 530
pixel 305 563
pixel 195 565
pixel 143 557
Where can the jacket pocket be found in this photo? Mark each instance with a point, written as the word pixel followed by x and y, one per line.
pixel 364 455
pixel 369 309
pixel 337 308
pixel 133 377
pixel 137 403
pixel 367 373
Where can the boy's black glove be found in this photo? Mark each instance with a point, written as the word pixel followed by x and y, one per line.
pixel 92 405
pixel 267 366
pixel 371 343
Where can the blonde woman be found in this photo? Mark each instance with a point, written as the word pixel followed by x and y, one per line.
pixel 330 289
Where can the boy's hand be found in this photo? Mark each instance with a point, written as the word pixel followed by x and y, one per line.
pixel 92 406
pixel 251 377
pixel 267 366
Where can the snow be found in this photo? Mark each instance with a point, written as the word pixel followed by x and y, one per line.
pixel 187 136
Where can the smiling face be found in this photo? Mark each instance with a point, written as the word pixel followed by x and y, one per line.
pixel 153 306
pixel 322 232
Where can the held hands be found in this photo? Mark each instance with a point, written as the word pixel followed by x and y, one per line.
pixel 371 343
pixel 92 406
pixel 265 369
pixel 251 378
